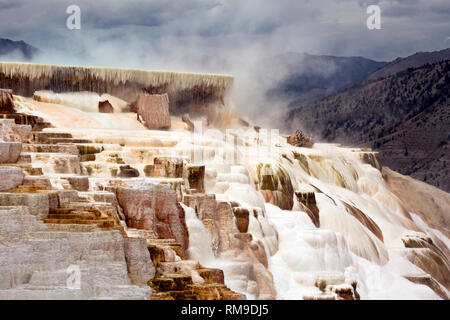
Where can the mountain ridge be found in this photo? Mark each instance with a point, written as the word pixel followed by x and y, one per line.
pixel 8 46
pixel 413 61
pixel 309 77
pixel 405 116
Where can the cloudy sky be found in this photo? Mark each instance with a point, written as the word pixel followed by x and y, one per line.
pixel 224 36
pixel 156 33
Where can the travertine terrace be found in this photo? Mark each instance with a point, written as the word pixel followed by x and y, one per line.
pixel 198 214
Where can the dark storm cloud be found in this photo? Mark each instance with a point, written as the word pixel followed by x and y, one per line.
pixel 323 26
pixel 140 13
pixel 230 36
pixel 8 5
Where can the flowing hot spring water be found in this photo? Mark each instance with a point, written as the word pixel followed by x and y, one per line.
pixel 357 238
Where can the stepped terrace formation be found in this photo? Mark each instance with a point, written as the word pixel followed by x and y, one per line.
pixel 181 213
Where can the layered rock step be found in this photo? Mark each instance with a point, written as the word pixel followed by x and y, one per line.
pixel 71 216
pixel 88 151
pixel 10 151
pixel 36 261
pixel 28 168
pixel 61 178
pixel 177 278
pixel 369 157
pixel 188 280
pixel 422 251
pixel 36 123
pixel 161 248
pixel 332 286
pixel 50 148
pixel 306 198
pixel 45 137
pixel 12 132
pixel 10 177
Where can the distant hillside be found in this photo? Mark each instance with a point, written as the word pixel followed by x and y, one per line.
pixel 405 116
pixel 414 61
pixel 308 78
pixel 8 47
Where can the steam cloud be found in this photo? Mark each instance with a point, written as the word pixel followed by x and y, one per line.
pixel 223 36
